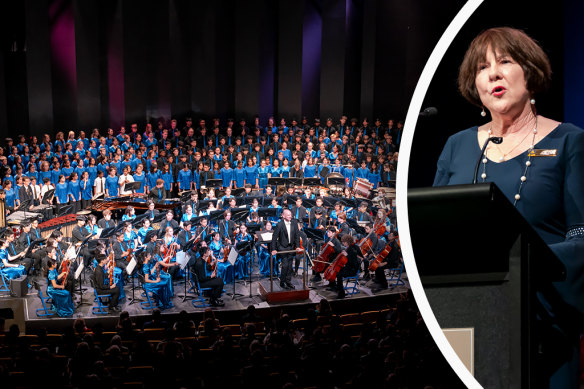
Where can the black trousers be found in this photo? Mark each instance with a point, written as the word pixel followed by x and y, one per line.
pixel 27 263
pixel 122 264
pixel 115 292
pixel 286 275
pixel 85 203
pixel 216 285
pixel 380 275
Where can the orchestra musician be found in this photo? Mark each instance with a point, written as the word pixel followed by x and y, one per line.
pixel 168 222
pixel 225 269
pixel 102 283
pixel 152 211
pixel 156 280
pixel 316 219
pixel 15 253
pixel 10 270
pixel 185 234
pixel 264 253
pixel 330 240
pixel 203 231
pixel 62 302
pixel 169 245
pixel 121 251
pixel 143 231
pixel 298 211
pixel 158 193
pixel 343 225
pixel 24 242
pixel 201 268
pixel 286 238
pixel 78 235
pixel 106 221
pixel 362 214
pixel 391 261
pixel 227 227
pixel 353 254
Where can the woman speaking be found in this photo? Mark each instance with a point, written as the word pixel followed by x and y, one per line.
pixel 538 165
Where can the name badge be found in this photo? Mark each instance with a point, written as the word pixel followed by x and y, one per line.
pixel 543 153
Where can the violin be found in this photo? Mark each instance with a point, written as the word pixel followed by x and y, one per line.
pixel 380 257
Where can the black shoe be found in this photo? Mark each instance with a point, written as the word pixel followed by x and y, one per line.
pixel 216 303
pixel 220 301
pixel 283 285
pixel 367 276
pixel 332 287
pixel 290 285
pixel 341 295
pixel 316 278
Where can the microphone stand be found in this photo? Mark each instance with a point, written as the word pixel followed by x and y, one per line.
pixel 496 140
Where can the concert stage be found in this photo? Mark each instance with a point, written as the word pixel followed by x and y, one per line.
pixel 233 305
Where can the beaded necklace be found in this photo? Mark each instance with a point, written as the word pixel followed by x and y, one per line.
pixel 523 178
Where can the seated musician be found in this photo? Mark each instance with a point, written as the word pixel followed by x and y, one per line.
pixel 185 234
pixel 107 221
pixel 211 194
pixel 152 211
pixel 308 194
pixel 91 225
pixel 269 192
pixel 202 266
pixel 24 242
pixel 188 215
pixel 129 213
pixel 168 222
pixel 141 234
pixel 233 203
pixel 343 225
pixel 255 207
pixel 34 230
pixel 304 241
pixel 155 280
pixel 7 265
pixel 130 236
pixel 101 276
pixel 50 252
pixel 333 241
pixel 225 199
pixel 62 303
pixel 334 213
pixel 158 193
pixel 274 204
pixel 243 260
pixel 225 269
pixel 316 219
pixel 376 246
pixel 362 214
pixel 298 211
pixel 170 245
pixel 193 201
pixel 203 231
pixel 227 227
pixel 264 254
pixel 121 251
pixel 247 191
pixel 79 234
pixel 353 254
pixel 391 261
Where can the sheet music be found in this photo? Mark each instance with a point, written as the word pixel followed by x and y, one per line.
pixel 79 270
pixel 232 256
pixel 182 259
pixel 99 231
pixel 131 265
pixel 71 253
pixel 267 236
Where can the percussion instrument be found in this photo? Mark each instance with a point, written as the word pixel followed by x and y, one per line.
pixel 19 216
pixel 65 222
pixel 125 201
pixel 363 188
pixel 84 212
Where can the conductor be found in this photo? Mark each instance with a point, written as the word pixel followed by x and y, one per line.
pixel 286 238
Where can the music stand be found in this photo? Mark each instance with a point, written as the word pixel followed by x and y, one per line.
pixel 237 191
pixel 65 210
pixel 48 194
pixel 248 200
pixel 239 214
pixel 290 181
pixel 159 218
pixel 338 181
pixel 312 181
pixel 324 172
pixel 354 224
pixel 243 248
pixel 277 181
pixel 269 212
pixel 132 186
pixel 214 183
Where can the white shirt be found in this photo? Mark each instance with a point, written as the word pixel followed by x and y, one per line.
pixel 99 185
pixel 123 178
pixel 45 189
pixel 287 224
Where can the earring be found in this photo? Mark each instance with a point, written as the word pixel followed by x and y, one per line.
pixel 483 113
pixel 532 101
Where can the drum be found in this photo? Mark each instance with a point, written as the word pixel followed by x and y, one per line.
pixel 363 188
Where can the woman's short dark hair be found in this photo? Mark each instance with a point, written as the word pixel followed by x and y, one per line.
pixel 506 41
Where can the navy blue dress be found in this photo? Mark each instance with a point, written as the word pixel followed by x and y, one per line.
pixel 552 201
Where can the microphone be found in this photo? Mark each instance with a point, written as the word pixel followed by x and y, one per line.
pixel 429 112
pixel 496 140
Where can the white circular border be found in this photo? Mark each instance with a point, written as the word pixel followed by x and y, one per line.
pixel 402 191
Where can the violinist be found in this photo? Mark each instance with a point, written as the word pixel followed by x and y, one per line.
pixel 243 260
pixel 130 236
pixel 343 225
pixel 227 227
pixel 203 231
pixel 274 204
pixel 185 234
pixel 316 219
pixel 102 282
pixel 362 214
pixel 79 234
pixel 62 302
pixel 170 246
pixel 353 254
pixel 121 251
pixel 221 252
pixel 66 263
pixel 201 269
pixel 156 280
pixel 24 241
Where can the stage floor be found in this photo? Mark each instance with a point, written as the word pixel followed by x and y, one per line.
pixel 239 302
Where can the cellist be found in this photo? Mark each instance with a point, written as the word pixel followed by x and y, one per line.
pixel 391 261
pixel 331 240
pixel 353 254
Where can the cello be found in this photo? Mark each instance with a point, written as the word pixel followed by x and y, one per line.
pixel 380 257
pixel 324 256
pixel 330 274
